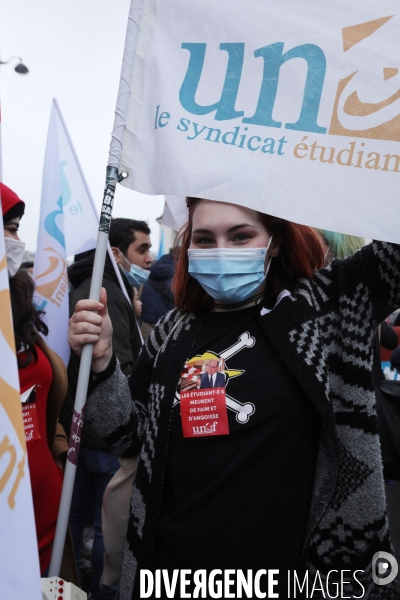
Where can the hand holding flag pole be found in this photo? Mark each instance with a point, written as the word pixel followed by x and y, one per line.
pixel 83 377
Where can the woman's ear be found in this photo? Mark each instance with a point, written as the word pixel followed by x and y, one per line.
pixel 275 244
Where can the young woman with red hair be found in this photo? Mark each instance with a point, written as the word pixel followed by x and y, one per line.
pixel 296 251
pixel 251 408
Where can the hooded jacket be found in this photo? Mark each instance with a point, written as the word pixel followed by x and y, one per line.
pixel 324 332
pixel 125 334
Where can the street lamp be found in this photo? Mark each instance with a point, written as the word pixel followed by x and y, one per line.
pixel 20 68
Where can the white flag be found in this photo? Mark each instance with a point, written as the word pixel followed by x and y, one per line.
pixel 175 212
pixel 68 225
pixel 291 108
pixel 19 563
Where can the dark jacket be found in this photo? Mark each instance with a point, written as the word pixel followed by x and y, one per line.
pixel 126 341
pixel 323 331
pixel 157 297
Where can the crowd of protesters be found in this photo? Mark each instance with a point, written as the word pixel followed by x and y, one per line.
pixel 317 306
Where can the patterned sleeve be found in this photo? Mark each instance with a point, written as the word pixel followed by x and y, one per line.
pixel 374 273
pixel 389 274
pixel 116 407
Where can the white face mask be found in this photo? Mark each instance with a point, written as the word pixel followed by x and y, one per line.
pixel 15 253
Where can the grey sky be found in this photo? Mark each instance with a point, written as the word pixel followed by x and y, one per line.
pixel 74 53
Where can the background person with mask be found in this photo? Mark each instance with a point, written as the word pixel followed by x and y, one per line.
pixel 43 384
pixel 131 245
pixel 13 209
pixel 96 464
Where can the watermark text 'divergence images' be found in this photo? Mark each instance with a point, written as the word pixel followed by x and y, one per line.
pixel 263 583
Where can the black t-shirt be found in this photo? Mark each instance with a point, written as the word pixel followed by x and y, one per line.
pixel 241 501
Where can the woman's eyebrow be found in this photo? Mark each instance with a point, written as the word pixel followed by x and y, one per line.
pixel 203 231
pixel 230 230
pixel 235 227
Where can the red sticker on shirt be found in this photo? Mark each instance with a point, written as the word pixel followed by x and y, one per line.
pixel 203 398
pixel 31 425
pixel 204 413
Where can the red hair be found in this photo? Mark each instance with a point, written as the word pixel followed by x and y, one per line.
pixel 300 254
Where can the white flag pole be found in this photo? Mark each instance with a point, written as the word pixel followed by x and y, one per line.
pixel 112 176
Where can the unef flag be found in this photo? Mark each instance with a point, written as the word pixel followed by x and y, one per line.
pixel 291 108
pixel 19 562
pixel 68 225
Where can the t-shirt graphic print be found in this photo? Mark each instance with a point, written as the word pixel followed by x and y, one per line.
pixel 203 397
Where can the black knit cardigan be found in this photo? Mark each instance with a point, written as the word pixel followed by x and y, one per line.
pixel 324 333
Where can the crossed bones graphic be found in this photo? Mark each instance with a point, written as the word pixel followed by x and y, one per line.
pixel 243 411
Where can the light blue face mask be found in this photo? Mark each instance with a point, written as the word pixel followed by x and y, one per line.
pixel 136 275
pixel 229 275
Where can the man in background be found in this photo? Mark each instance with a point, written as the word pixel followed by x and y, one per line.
pixel 130 243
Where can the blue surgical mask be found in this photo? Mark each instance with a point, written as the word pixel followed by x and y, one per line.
pixel 136 275
pixel 229 275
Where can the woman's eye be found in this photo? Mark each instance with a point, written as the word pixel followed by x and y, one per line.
pixel 204 241
pixel 241 237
